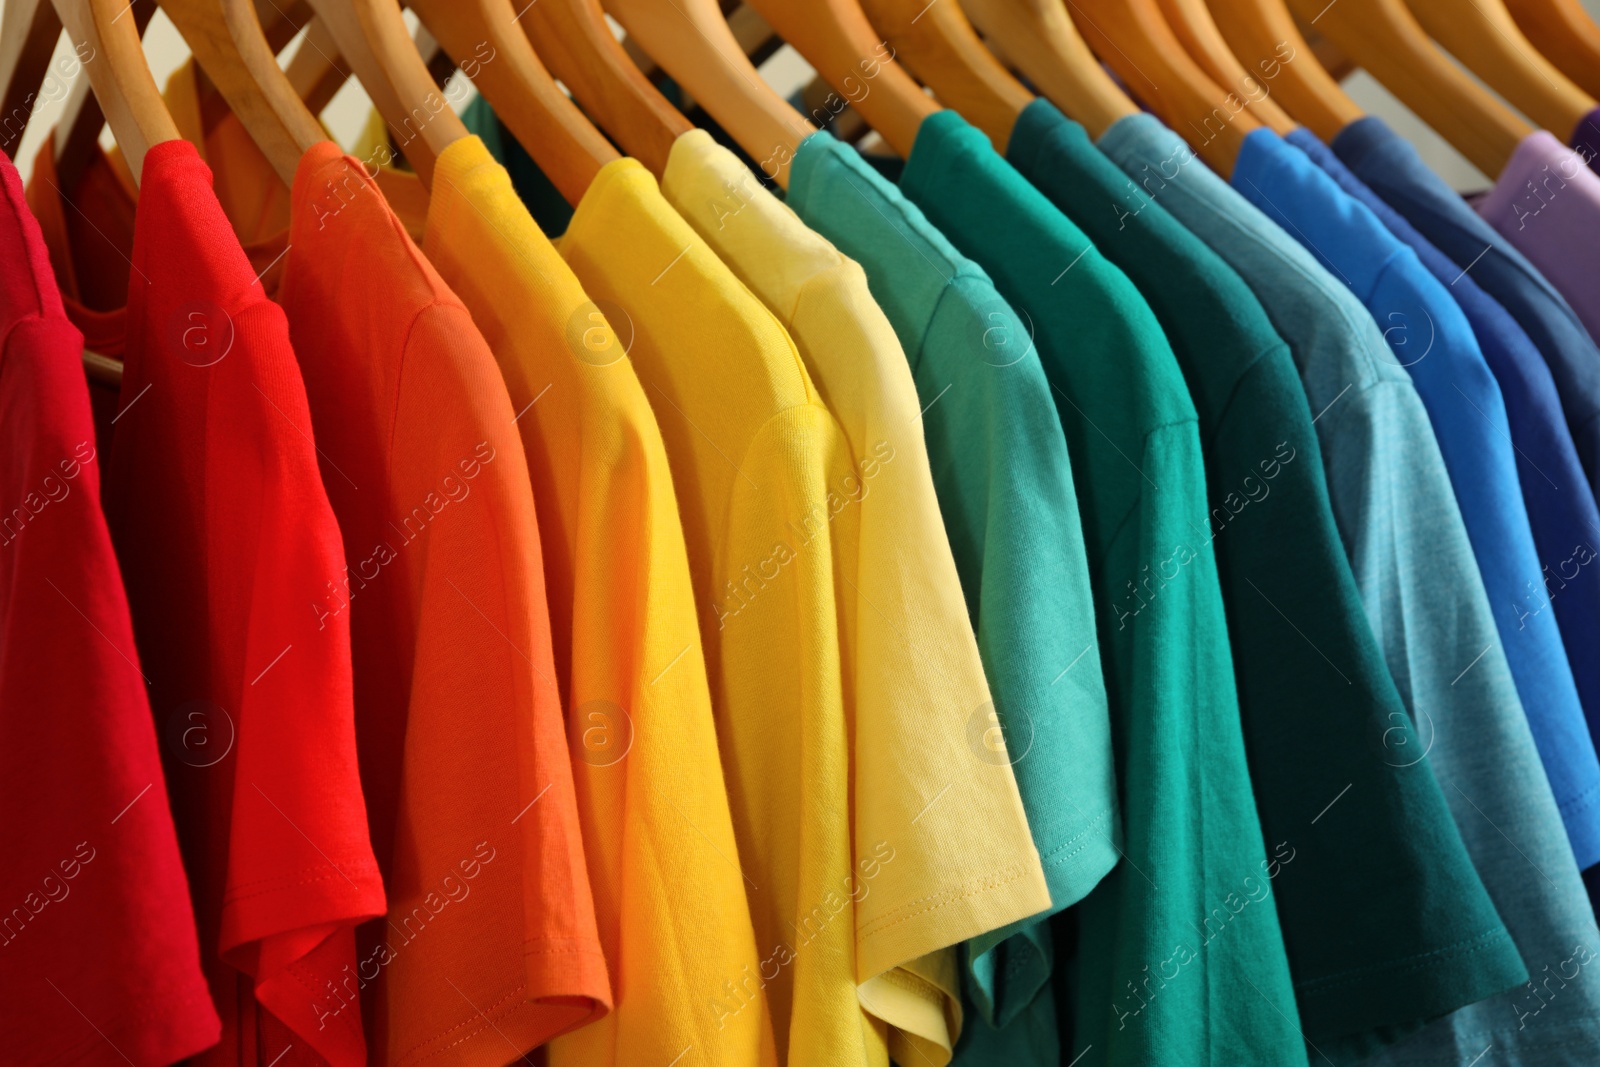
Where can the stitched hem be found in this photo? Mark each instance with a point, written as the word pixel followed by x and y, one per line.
pixel 1402 964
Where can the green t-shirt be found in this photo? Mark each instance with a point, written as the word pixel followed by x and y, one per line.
pixel 1005 490
pixel 1335 779
pixel 1180 956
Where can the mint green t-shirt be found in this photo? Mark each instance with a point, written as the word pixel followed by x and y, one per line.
pixel 1180 956
pixel 1387 857
pixel 1005 490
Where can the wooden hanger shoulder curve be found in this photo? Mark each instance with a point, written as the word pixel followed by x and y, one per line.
pixel 1566 34
pixel 483 37
pixel 693 43
pixel 1192 23
pixel 1134 39
pixel 1039 37
pixel 423 120
pixel 835 37
pixel 314 69
pixel 1264 37
pixel 1384 38
pixel 1485 38
pixel 937 44
pixel 572 37
pixel 228 43
pixel 29 30
pixel 119 76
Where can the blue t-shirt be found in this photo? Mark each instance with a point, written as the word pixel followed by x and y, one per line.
pixel 1430 337
pixel 1285 574
pixel 1561 506
pixel 1390 167
pixel 1424 595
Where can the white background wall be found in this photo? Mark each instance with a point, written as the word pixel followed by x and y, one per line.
pixel 786 70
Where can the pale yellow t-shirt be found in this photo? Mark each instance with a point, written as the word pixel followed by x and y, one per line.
pixel 763 474
pixel 965 860
pixel 663 863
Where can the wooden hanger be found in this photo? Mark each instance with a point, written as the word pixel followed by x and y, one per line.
pixel 1564 32
pixel 572 37
pixel 1135 41
pixel 1384 38
pixel 835 37
pixel 28 34
pixel 1192 23
pixel 119 76
pixel 484 34
pixel 1039 37
pixel 1484 37
pixel 1264 37
pixel 28 37
pixel 229 45
pixel 314 69
pixel 374 44
pixel 936 43
pixel 692 42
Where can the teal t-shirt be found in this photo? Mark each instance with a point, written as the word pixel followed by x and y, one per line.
pixel 1180 955
pixel 1005 488
pixel 1419 582
pixel 1387 859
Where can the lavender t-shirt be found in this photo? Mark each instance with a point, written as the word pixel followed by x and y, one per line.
pixel 1547 204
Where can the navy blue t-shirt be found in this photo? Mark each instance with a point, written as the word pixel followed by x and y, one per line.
pixel 1390 167
pixel 1561 506
pixel 1431 338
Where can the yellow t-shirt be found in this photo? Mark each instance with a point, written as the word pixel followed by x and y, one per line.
pixel 965 860
pixel 763 475
pixel 658 836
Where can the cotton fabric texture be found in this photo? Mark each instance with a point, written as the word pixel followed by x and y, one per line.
pixel 490 941
pixel 1390 167
pixel 100 920
pixel 1190 825
pixel 1388 855
pixel 226 539
pixel 769 494
pixel 1463 399
pixel 1399 520
pixel 669 899
pixel 1561 506
pixel 1546 202
pixel 965 863
pixel 1004 484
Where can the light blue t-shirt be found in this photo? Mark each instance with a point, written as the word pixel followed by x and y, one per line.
pixel 1561 505
pixel 1421 588
pixel 1431 338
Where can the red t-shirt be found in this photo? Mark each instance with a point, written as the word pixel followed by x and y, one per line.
pixel 96 928
pixel 490 946
pixel 228 544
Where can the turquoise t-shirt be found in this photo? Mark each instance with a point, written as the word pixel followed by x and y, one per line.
pixel 1408 548
pixel 1006 494
pixel 1388 858
pixel 1180 961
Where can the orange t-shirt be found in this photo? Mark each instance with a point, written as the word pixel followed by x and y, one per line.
pixel 669 893
pixel 490 945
